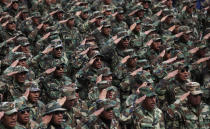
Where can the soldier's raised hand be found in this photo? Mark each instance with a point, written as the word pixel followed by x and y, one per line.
pixel 171 74
pixel 98 112
pixel 125 59
pixel 46 36
pixel 179 34
pixel 184 96
pixel 47 49
pixel 16 48
pixel 136 71
pixel 61 101
pixel 99 79
pixel 1 115
pixel 14 63
pixel 141 99
pixel 10 39
pixel 46 119
pixel 50 70
pixel 40 26
pixel 102 95
pixel 132 27
pixel 26 93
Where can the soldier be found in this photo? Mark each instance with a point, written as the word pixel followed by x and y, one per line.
pixel 9 118
pixel 53 117
pixel 146 115
pixel 192 113
pixel 13 9
pixel 107 118
pixel 118 23
pixel 74 115
pixel 16 87
pixel 23 117
pixel 53 84
pixel 37 107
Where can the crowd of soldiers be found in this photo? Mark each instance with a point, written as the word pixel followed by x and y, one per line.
pixel 104 64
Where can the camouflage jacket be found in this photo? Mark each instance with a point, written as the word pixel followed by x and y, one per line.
pixel 185 116
pixel 50 126
pixel 36 110
pixel 143 119
pixel 30 125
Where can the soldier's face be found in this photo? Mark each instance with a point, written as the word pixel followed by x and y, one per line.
pixel 107 13
pixel 34 96
pixel 183 74
pixel 44 27
pixel 156 45
pixel 22 63
pixel 186 37
pixel 98 21
pixel 70 22
pixel 107 1
pixel 59 71
pixel 167 55
pixel 195 100
pixel 120 17
pixel 107 78
pixel 12 26
pixel 69 104
pixel 25 49
pixel 140 13
pixel 149 103
pixel 111 94
pixel 169 3
pixel 48 1
pixel 35 20
pixel 146 5
pixel 10 120
pixel 106 30
pixel 58 52
pixel 137 28
pixel 57 117
pixel 15 5
pixel 53 1
pixel 169 19
pixel 132 62
pixel 97 63
pixel 24 15
pixel 60 15
pixel 23 116
pixel 125 42
pixel 20 77
pixel 84 15
pixel 108 114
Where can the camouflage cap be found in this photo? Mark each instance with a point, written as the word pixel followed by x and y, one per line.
pixel 57 43
pixel 21 105
pixel 194 88
pixel 147 1
pixel 33 86
pixel 143 76
pixel 53 107
pixel 106 8
pixel 97 14
pixel 148 91
pixel 103 85
pixel 23 41
pixel 20 69
pixel 185 29
pixel 105 71
pixel 96 53
pixel 107 104
pixel 128 52
pixel 8 108
pixel 35 14
pixel 106 24
pixel 120 10
pixel 70 93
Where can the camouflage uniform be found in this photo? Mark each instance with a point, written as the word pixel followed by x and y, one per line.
pixel 185 116
pixel 14 90
pixel 8 108
pixel 50 108
pixel 142 118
